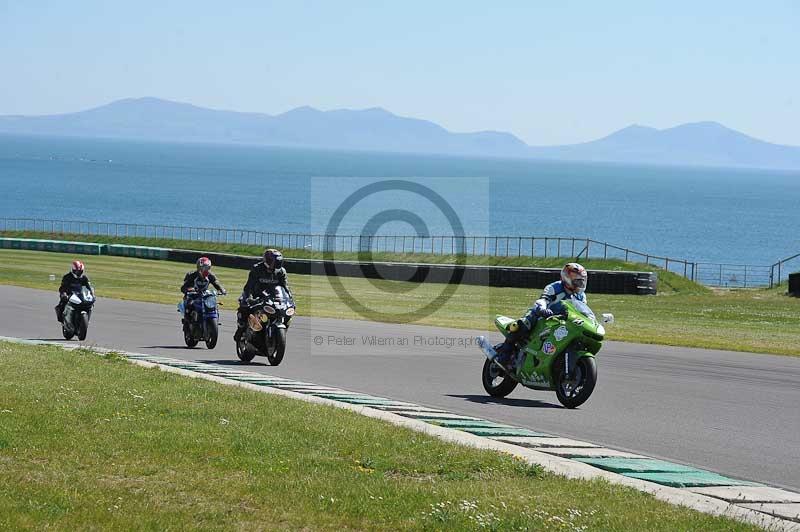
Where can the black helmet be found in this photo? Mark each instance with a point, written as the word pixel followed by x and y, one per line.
pixel 273 259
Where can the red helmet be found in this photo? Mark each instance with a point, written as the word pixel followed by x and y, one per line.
pixel 574 277
pixel 77 268
pixel 203 266
pixel 273 259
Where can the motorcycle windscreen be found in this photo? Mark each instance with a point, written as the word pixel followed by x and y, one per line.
pixel 580 306
pixel 583 308
pixel 87 294
pixel 279 293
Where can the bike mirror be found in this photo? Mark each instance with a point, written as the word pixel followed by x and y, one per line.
pixel 608 318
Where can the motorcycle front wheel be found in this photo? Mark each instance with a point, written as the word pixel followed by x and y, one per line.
pixel 67 334
pixel 83 327
pixel 277 348
pixel 496 381
pixel 575 391
pixel 212 333
pixel 188 339
pixel 242 352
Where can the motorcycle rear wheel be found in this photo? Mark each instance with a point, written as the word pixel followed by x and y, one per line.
pixel 576 391
pixel 490 375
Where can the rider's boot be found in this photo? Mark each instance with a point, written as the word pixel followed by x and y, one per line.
pixel 505 354
pixel 502 353
pixel 238 334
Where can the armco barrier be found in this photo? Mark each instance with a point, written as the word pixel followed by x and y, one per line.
pixel 601 281
pixel 794 284
pixel 83 248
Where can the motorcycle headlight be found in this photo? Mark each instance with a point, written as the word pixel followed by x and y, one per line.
pixel 601 330
pixel 290 312
pixel 269 309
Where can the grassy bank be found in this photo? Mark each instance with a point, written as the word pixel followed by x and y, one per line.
pixel 110 446
pixel 764 321
pixel 667 281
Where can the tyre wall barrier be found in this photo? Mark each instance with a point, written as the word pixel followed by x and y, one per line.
pixel 59 246
pixel 141 252
pixel 600 282
pixel 794 284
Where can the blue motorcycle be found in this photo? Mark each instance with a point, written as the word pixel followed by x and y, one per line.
pixel 200 318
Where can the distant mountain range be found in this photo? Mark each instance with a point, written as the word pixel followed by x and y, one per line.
pixel 701 143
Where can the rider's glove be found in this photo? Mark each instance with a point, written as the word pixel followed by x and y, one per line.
pixel 223 291
pixel 545 313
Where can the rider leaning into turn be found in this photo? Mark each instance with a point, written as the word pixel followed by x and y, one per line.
pixel 571 286
pixel 72 282
pixel 264 275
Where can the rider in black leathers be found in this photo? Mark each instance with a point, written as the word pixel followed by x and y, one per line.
pixel 196 281
pixel 201 277
pixel 72 282
pixel 264 275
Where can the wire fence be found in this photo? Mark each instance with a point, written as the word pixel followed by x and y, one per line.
pixel 711 274
pixel 780 270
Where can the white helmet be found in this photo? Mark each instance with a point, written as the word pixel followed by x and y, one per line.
pixel 574 277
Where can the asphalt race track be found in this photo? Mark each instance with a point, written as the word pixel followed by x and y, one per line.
pixel 734 413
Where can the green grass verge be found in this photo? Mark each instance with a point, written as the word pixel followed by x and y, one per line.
pixel 763 321
pixel 667 281
pixel 91 443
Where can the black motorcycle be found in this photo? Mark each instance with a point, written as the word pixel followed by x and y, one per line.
pixel 267 321
pixel 77 313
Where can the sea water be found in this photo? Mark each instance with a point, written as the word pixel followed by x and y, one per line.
pixel 702 214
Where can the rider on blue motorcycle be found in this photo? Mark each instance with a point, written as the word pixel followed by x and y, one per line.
pixel 197 281
pixel 571 286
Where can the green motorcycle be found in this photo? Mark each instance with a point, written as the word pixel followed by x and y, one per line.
pixel 558 355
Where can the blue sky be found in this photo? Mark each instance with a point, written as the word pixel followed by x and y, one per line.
pixel 550 73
